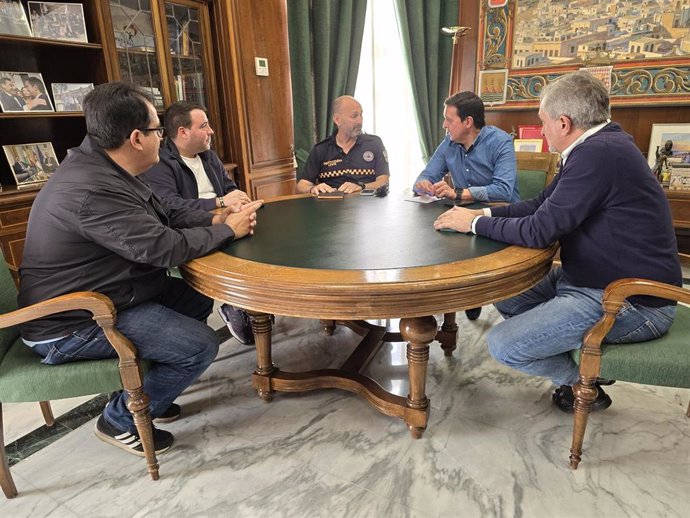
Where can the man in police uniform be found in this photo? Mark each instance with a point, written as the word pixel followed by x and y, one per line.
pixel 348 160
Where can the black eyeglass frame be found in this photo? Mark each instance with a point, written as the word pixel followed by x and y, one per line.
pixel 160 130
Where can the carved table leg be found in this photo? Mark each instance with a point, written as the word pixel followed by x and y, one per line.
pixel 328 326
pixel 418 333
pixel 448 334
pixel 261 326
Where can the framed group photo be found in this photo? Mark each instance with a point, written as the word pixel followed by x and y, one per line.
pixel 58 21
pixel 31 163
pixel 69 97
pixel 23 91
pixel 13 19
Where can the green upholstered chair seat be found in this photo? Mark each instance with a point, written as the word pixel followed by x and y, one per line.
pixel 658 362
pixel 530 183
pixel 24 378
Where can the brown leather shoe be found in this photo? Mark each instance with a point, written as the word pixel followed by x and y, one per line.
pixel 564 399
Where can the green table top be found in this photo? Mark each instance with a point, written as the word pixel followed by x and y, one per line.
pixel 356 233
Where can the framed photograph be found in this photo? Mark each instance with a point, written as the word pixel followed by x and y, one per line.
pixel 532 131
pixel 492 86
pixel 678 134
pixel 58 21
pixel 13 19
pixel 679 179
pixel 31 164
pixel 69 97
pixel 640 52
pixel 532 145
pixel 23 92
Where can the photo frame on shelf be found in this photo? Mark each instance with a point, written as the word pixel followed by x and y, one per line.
pixel 23 92
pixel 678 133
pixel 679 178
pixel 69 97
pixel 533 145
pixel 58 21
pixel 533 131
pixel 31 164
pixel 13 19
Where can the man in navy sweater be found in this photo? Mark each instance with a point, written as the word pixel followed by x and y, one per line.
pixel 612 220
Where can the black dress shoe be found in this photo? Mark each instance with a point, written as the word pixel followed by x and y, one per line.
pixel 473 314
pixel 605 381
pixel 564 399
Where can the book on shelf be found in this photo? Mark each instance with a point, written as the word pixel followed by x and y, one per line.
pixel 530 132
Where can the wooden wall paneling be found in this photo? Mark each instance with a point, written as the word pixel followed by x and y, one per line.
pixel 258 109
pixel 463 76
pixel 230 94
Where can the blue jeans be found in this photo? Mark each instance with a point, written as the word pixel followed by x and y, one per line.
pixel 546 322
pixel 169 330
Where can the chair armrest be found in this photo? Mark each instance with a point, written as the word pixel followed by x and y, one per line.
pixel 99 305
pixel 615 295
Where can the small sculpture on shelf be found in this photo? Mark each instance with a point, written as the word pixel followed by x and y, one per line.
pixel 662 157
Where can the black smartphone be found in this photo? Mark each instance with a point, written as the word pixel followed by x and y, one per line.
pixel 367 192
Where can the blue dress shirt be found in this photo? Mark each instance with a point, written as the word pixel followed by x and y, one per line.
pixel 487 168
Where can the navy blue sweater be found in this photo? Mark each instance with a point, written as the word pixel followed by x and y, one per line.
pixel 607 210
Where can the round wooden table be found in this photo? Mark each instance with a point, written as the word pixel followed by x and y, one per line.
pixel 362 258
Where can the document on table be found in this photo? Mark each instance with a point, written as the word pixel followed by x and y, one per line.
pixel 422 198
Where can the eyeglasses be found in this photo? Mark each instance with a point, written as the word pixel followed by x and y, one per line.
pixel 159 131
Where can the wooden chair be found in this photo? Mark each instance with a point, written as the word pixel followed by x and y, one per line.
pixel 23 378
pixel 534 172
pixel 664 361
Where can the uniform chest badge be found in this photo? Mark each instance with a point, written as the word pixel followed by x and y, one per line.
pixel 368 156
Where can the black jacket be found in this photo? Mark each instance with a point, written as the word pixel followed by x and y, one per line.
pixel 95 227
pixel 172 179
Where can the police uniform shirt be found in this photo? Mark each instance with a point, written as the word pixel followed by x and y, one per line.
pixel 327 163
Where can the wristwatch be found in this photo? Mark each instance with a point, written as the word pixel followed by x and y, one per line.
pixel 458 194
pixel 362 185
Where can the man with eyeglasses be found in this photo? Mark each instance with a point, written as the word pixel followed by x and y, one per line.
pixel 191 173
pixel 95 226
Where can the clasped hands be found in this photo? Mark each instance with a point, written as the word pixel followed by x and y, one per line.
pixel 236 199
pixel 241 220
pixel 346 187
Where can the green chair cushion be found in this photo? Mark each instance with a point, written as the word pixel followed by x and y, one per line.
pixel 530 183
pixel 664 361
pixel 24 378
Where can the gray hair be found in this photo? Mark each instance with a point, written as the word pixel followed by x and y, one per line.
pixel 579 96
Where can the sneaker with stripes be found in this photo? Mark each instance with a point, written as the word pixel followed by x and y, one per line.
pixel 130 442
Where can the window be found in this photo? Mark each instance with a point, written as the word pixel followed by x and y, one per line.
pixel 384 91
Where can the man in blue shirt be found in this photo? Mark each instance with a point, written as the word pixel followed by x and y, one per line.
pixel 480 158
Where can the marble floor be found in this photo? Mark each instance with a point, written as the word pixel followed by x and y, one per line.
pixel 495 446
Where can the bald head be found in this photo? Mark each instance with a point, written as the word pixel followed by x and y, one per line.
pixel 347 116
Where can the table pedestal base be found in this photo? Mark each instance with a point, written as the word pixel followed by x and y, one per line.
pixel 418 332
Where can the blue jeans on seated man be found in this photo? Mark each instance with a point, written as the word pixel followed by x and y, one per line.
pixel 549 320
pixel 169 330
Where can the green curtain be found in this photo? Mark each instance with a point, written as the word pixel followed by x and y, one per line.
pixel 428 55
pixel 325 45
